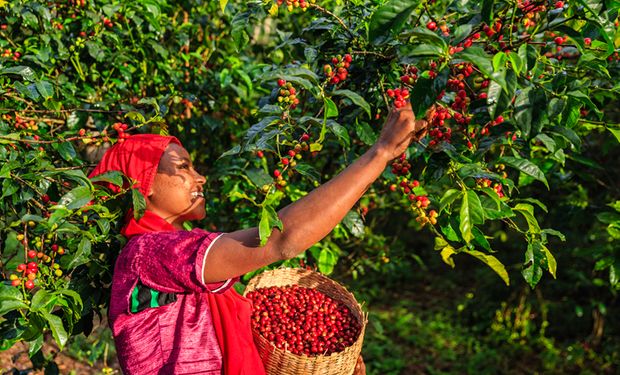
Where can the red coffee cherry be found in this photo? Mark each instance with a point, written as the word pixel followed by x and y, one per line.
pixel 431 26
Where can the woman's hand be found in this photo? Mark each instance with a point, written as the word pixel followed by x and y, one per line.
pixel 360 367
pixel 400 129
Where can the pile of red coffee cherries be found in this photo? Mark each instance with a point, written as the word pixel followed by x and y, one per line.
pixel 303 320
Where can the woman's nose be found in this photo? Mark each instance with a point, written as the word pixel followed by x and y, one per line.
pixel 200 179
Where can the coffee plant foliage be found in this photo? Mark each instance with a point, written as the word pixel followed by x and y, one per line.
pixel 273 98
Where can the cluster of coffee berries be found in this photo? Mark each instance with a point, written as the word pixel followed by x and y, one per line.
pixel 439 131
pixel 485 183
pixel 400 96
pixel 485 129
pixel 407 188
pixel 120 129
pixel 419 202
pixel 303 320
pixel 287 94
pixel 425 218
pixel 432 70
pixel 7 53
pixel 107 23
pixel 492 30
pixel 292 4
pixel 401 166
pixel 410 75
pixel 21 123
pixel 432 26
pixel 29 272
pixel 288 161
pixel 339 70
pixel 501 169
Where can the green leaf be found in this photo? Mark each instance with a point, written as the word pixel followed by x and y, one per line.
pixel 331 110
pixel 76 198
pixel 341 132
pixel 138 202
pixel 29 91
pixel 113 177
pixel 491 193
pixel 45 88
pixel 448 198
pixel 66 150
pixel 327 260
pixel 471 213
pixel 499 61
pixel 268 220
pixel 9 187
pixel 223 5
pixel 35 345
pixel 553 232
pixel 42 301
pixel 58 330
pixel 461 33
pixel 501 91
pixel 365 133
pixel 425 36
pixel 480 239
pixel 614 129
pixel 492 262
pixel 547 141
pixel 516 62
pixel 440 243
pixel 526 167
pixel 527 211
pixel 552 265
pixel 308 170
pixel 10 299
pixel 24 71
pixel 446 255
pixel 585 99
pixel 389 18
pixel 420 50
pixel 478 57
pixel 82 254
pixel 532 267
pixel 258 177
pixel 356 98
pixel 354 223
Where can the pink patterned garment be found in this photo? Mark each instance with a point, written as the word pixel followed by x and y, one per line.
pixel 178 337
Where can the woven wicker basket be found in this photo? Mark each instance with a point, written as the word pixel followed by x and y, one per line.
pixel 282 362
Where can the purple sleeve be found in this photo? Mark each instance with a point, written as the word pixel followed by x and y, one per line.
pixel 173 262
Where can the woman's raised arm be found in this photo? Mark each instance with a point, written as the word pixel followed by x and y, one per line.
pixel 311 218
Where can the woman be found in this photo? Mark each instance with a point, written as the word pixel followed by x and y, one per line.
pixel 173 310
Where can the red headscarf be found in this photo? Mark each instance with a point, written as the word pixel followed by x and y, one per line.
pixel 138 157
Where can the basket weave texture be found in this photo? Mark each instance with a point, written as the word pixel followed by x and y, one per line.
pixel 282 362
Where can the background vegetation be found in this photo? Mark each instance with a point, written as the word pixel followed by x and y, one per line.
pixel 489 247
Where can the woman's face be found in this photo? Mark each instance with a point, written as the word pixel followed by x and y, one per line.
pixel 176 193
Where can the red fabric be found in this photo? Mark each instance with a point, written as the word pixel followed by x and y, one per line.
pixel 138 157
